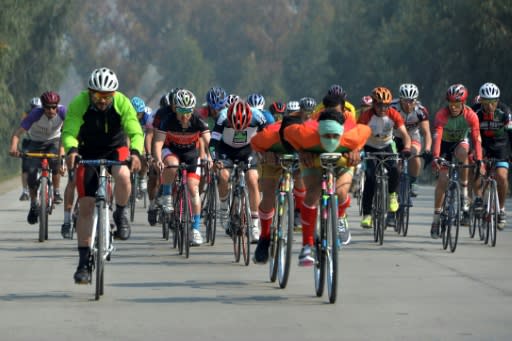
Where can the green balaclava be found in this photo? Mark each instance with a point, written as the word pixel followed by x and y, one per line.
pixel 330 127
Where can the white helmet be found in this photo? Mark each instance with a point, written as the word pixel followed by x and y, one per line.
pixel 292 106
pixel 35 102
pixel 408 91
pixel 103 79
pixel 489 91
pixel 185 99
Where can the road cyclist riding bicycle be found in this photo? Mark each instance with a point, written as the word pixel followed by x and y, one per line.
pixel 43 127
pixel 384 121
pixel 453 126
pixel 181 138
pixel 97 125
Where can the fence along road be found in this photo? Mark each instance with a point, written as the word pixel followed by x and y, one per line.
pixel 409 288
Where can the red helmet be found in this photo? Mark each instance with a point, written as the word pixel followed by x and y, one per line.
pixel 239 115
pixel 277 108
pixel 457 93
pixel 50 97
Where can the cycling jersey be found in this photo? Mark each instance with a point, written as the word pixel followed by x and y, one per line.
pixel 206 115
pixel 456 129
pixel 413 119
pixel 94 133
pixel 268 139
pixel 495 130
pixel 349 107
pixel 40 127
pixel 268 115
pixel 179 139
pixel 287 121
pixel 382 127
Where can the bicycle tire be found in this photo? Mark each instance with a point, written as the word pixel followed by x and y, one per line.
pixel 234 225
pixel 332 249
pixel 245 227
pixel 165 226
pixel 100 248
pixel 179 225
pixel 211 215
pixel 319 267
pixel 274 239
pixel 454 225
pixel 133 196
pixel 361 191
pixel 375 214
pixel 492 220
pixel 185 219
pixel 406 197
pixel 43 209
pixel 285 241
pixel 383 210
pixel 474 220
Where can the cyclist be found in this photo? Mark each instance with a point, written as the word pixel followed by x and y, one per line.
pixel 384 122
pixel 35 102
pixel 330 133
pixel 277 109
pixel 257 101
pixel 337 90
pixel 496 133
pixel 216 100
pixel 177 140
pixel 230 141
pixel 452 126
pixel 43 127
pixel 97 125
pixel 416 121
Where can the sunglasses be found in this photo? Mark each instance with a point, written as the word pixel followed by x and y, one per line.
pixel 488 101
pixel 184 111
pixel 408 100
pixel 107 96
pixel 382 105
pixel 49 107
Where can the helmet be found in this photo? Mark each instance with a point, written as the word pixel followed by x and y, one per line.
pixel 231 99
pixel 382 95
pixel 307 104
pixel 35 102
pixel 457 93
pixel 185 99
pixel 172 94
pixel 367 100
pixel 337 90
pixel 256 100
pixel 489 91
pixel 216 98
pixel 164 101
pixel 277 108
pixel 50 97
pixel 239 115
pixel 408 91
pixel 148 110
pixel 293 106
pixel 103 79
pixel 138 104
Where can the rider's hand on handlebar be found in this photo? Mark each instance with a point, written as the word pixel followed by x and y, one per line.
pixel 353 158
pixel 435 164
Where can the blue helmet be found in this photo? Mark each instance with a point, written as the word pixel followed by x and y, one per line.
pixel 256 100
pixel 138 104
pixel 217 98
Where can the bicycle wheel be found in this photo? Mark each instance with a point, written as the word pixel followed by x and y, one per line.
pixel 165 226
pixel 454 225
pixel 245 227
pixel 320 266
pixel 361 191
pixel 474 220
pixel 234 225
pixel 332 249
pixel 383 203
pixel 133 196
pixel 406 198
pixel 185 219
pixel 285 240
pixel 43 209
pixel 274 239
pixel 100 248
pixel 492 219
pixel 375 214
pixel 211 212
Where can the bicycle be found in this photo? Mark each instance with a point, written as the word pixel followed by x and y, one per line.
pixel 380 197
pixel 281 230
pixel 239 217
pixel 210 203
pixel 487 219
pixel 102 239
pixel 45 190
pixel 327 242
pixel 404 198
pixel 451 214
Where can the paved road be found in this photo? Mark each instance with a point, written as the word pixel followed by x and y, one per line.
pixel 407 289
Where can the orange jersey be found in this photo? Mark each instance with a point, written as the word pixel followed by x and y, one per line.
pixel 305 137
pixel 268 139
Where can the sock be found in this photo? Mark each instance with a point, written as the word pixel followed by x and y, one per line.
pixel 167 189
pixel 308 216
pixel 342 207
pixel 83 253
pixel 196 222
pixel 437 216
pixel 67 217
pixel 413 179
pixel 120 208
pixel 298 196
pixel 266 222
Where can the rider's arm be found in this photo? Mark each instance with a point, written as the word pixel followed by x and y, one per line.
pixel 158 143
pixel 474 125
pixel 216 138
pixel 13 150
pixel 427 137
pixel 130 123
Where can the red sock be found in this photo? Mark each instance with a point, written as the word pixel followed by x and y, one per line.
pixel 343 207
pixel 265 222
pixel 298 196
pixel 308 217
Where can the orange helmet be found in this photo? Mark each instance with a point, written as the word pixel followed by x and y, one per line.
pixel 239 115
pixel 382 95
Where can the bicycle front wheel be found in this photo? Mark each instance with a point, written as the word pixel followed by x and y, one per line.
pixel 320 258
pixel 274 239
pixel 454 218
pixel 285 234
pixel 211 216
pixel 100 248
pixel 43 209
pixel 133 196
pixel 245 227
pixel 492 215
pixel 332 249
pixel 185 219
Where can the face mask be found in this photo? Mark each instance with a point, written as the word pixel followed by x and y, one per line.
pixel 330 145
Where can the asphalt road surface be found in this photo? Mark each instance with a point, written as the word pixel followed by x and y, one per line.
pixel 407 289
